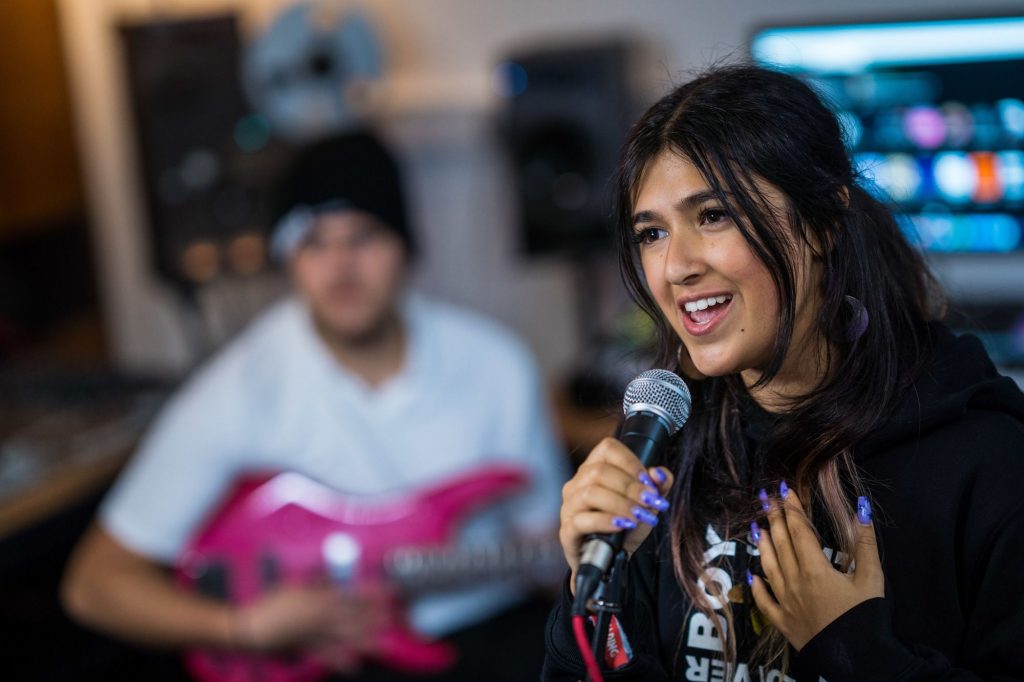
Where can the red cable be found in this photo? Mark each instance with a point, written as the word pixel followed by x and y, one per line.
pixel 580 630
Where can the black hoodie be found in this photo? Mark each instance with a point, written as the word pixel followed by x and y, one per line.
pixel 946 478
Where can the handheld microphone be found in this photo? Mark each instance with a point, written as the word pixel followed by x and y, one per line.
pixel 656 405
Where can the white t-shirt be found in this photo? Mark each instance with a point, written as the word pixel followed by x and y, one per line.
pixel 275 399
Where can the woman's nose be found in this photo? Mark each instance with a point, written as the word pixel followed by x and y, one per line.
pixel 684 258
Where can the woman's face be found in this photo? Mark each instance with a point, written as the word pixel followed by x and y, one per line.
pixel 712 289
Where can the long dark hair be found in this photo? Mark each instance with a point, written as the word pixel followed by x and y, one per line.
pixel 738 124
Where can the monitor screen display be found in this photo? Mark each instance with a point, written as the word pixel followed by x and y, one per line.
pixel 933 114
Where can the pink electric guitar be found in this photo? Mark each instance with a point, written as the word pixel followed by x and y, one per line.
pixel 286 528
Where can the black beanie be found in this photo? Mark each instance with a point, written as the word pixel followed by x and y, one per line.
pixel 353 170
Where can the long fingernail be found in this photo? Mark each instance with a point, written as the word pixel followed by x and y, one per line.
pixel 755 532
pixel 762 495
pixel 864 510
pixel 654 500
pixel 750 578
pixel 647 517
pixel 646 480
pixel 783 490
pixel 624 523
pixel 660 474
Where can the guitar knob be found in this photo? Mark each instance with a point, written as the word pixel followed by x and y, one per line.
pixel 341 552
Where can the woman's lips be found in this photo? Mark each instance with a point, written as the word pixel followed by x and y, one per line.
pixel 707 320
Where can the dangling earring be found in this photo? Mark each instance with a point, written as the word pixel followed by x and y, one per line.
pixel 686 366
pixel 858 319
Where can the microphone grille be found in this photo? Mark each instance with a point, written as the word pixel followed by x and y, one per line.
pixel 663 392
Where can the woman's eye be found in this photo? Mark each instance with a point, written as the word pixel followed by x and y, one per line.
pixel 711 216
pixel 648 235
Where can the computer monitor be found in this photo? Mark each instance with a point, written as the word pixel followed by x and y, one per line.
pixel 933 114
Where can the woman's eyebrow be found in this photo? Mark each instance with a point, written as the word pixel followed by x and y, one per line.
pixel 684 205
pixel 691 202
pixel 646 217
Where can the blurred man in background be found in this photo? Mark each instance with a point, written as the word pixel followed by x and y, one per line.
pixel 360 385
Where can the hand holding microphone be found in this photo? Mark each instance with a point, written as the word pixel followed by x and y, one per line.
pixel 606 496
pixel 613 500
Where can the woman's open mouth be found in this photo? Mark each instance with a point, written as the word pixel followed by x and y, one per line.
pixel 702 315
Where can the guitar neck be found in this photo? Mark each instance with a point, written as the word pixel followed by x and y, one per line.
pixel 415 570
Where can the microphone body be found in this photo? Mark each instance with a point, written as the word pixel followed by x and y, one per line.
pixel 657 403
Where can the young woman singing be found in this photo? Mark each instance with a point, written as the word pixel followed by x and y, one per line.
pixel 845 501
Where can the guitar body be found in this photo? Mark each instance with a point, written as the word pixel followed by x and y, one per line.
pixel 288 529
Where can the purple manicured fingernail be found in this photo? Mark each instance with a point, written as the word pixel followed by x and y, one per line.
pixel 645 516
pixel 750 578
pixel 654 500
pixel 755 532
pixel 646 480
pixel 624 523
pixel 783 490
pixel 762 495
pixel 660 474
pixel 864 510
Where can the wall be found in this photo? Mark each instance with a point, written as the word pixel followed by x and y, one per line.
pixel 441 54
pixel 38 186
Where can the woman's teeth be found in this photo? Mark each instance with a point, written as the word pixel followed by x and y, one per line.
pixel 705 303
